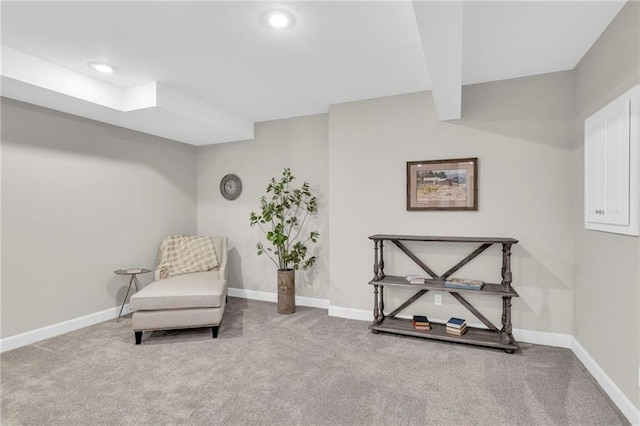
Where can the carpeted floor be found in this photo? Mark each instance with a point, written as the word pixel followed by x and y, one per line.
pixel 306 368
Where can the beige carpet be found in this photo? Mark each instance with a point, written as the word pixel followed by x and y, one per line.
pixel 306 368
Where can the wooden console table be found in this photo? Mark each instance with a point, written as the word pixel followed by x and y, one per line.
pixel 491 336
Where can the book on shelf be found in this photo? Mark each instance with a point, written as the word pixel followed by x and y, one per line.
pixel 421 322
pixel 422 327
pixel 134 270
pixel 456 323
pixel 416 279
pixel 464 284
pixel 456 331
pixel 420 319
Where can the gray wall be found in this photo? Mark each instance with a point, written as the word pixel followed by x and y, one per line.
pixel 607 271
pixel 299 143
pixel 79 200
pixel 520 131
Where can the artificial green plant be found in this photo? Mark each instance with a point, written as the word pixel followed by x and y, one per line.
pixel 283 212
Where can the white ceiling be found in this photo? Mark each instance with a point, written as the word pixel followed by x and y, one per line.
pixel 204 72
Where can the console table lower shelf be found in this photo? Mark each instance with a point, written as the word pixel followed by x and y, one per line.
pixel 473 335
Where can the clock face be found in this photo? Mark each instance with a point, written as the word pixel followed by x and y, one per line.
pixel 230 187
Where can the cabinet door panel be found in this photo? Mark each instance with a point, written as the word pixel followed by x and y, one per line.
pixel 616 202
pixel 607 165
pixel 594 173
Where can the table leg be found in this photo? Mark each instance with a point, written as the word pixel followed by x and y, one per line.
pixel 507 328
pixel 381 310
pixel 125 296
pixel 375 261
pixel 378 261
pixel 381 261
pixel 506 266
pixel 375 304
pixel 135 281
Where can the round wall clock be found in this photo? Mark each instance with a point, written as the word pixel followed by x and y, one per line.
pixel 230 187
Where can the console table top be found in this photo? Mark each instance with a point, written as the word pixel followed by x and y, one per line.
pixel 500 240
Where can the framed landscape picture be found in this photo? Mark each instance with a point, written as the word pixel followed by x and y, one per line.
pixel 442 184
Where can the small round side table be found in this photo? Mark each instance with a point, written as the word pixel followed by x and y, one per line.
pixel 134 280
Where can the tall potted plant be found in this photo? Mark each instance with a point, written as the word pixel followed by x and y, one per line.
pixel 282 215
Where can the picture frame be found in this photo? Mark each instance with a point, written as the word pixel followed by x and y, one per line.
pixel 442 184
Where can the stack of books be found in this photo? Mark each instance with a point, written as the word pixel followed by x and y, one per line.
pixel 464 283
pixel 456 326
pixel 416 279
pixel 421 322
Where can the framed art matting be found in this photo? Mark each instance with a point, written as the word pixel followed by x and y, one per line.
pixel 442 184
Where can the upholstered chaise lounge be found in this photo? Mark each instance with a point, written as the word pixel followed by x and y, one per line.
pixel 190 287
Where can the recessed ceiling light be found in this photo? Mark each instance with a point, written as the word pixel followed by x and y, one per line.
pixel 99 66
pixel 278 19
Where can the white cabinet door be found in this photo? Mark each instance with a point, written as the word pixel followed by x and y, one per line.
pixel 607 162
pixel 611 169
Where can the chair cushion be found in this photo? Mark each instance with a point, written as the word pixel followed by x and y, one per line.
pixel 184 254
pixel 196 290
pixel 176 318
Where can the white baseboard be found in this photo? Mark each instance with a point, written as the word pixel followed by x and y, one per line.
pixel 350 313
pixel 617 396
pixel 252 294
pixel 543 338
pixel 33 336
pixel 311 302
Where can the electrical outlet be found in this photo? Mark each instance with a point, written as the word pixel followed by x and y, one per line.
pixel 437 299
